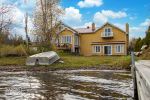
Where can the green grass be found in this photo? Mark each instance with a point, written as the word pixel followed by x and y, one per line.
pixel 117 62
pixel 72 61
pixel 4 61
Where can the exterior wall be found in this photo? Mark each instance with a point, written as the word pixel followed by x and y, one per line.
pixel 70 33
pixel 113 50
pixel 86 40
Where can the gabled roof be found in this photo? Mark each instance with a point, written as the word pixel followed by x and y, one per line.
pixel 107 23
pixel 89 30
pixel 69 28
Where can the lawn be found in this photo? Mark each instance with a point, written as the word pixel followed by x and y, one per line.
pixel 117 62
pixel 72 61
pixel 4 61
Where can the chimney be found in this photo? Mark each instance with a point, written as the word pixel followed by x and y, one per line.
pixel 88 27
pixel 127 35
pixel 127 28
pixel 93 26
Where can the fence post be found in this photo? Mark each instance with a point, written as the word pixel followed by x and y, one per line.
pixel 133 71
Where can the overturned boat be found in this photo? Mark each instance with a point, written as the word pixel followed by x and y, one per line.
pixel 45 58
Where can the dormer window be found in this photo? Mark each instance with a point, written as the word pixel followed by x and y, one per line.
pixel 107 32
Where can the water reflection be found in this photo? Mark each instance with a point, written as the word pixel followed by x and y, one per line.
pixel 66 85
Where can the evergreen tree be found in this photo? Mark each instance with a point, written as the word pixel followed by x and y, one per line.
pixel 147 38
pixel 138 44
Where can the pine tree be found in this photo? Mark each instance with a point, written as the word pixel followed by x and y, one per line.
pixel 147 38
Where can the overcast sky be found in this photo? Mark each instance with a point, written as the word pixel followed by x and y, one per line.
pixel 81 13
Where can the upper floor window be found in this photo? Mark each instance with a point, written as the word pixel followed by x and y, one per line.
pixel 66 39
pixel 96 49
pixel 107 32
pixel 119 48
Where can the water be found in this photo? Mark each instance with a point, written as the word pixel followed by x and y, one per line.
pixel 66 85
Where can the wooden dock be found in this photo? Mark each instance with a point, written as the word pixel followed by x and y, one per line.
pixel 141 78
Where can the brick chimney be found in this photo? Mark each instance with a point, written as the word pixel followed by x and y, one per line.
pixel 127 35
pixel 93 27
pixel 127 28
pixel 87 27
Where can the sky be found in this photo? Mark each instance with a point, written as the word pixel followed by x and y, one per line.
pixel 81 13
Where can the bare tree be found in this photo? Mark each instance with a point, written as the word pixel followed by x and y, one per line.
pixel 46 19
pixel 5 22
pixel 5 19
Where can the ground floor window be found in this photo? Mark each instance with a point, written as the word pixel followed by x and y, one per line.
pixel 66 39
pixel 119 48
pixel 96 49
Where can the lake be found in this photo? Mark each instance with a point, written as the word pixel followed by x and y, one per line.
pixel 66 85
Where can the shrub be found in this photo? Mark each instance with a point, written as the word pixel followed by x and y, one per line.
pixel 7 50
pixel 20 50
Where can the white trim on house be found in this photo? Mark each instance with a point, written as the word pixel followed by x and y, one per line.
pixel 68 39
pixel 107 34
pixel 96 49
pixel 119 48
pixel 104 49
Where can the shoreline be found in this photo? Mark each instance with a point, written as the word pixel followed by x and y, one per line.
pixel 15 68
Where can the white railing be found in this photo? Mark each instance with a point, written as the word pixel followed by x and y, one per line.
pixel 110 34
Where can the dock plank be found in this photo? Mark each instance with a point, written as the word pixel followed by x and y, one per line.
pixel 143 79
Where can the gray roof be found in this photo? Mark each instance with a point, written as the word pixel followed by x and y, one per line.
pixel 85 30
pixel 89 30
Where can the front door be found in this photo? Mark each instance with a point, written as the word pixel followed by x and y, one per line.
pixel 107 50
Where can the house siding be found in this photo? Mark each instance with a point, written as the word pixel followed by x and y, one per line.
pixel 66 32
pixel 87 40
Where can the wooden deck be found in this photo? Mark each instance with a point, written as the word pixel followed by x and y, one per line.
pixel 142 75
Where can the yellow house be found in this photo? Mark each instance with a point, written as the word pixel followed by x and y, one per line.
pixel 105 40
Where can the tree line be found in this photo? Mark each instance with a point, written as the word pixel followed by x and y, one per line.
pixel 139 42
pixel 46 20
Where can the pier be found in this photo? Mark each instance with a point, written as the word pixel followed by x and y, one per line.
pixel 141 79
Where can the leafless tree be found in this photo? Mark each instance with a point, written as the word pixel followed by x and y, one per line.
pixel 46 19
pixel 5 22
pixel 5 19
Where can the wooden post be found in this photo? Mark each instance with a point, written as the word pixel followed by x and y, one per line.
pixel 133 71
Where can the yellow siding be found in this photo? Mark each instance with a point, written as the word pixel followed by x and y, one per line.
pixel 70 33
pixel 87 39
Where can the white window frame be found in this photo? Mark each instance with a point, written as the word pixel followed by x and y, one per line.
pixel 121 48
pixel 104 49
pixel 94 48
pixel 65 39
pixel 107 34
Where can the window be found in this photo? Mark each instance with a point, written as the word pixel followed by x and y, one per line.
pixel 76 40
pixel 119 48
pixel 96 49
pixel 66 39
pixel 107 32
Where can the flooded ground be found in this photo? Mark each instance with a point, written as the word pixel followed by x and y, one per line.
pixel 66 85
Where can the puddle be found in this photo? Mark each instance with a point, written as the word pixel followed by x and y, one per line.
pixel 66 85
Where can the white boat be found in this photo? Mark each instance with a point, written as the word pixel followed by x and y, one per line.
pixel 45 58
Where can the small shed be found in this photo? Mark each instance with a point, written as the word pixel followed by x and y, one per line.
pixel 45 58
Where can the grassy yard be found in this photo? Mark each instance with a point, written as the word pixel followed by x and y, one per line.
pixel 117 62
pixel 72 61
pixel 4 61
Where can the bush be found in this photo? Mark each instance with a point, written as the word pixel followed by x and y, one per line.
pixel 20 50
pixel 7 50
